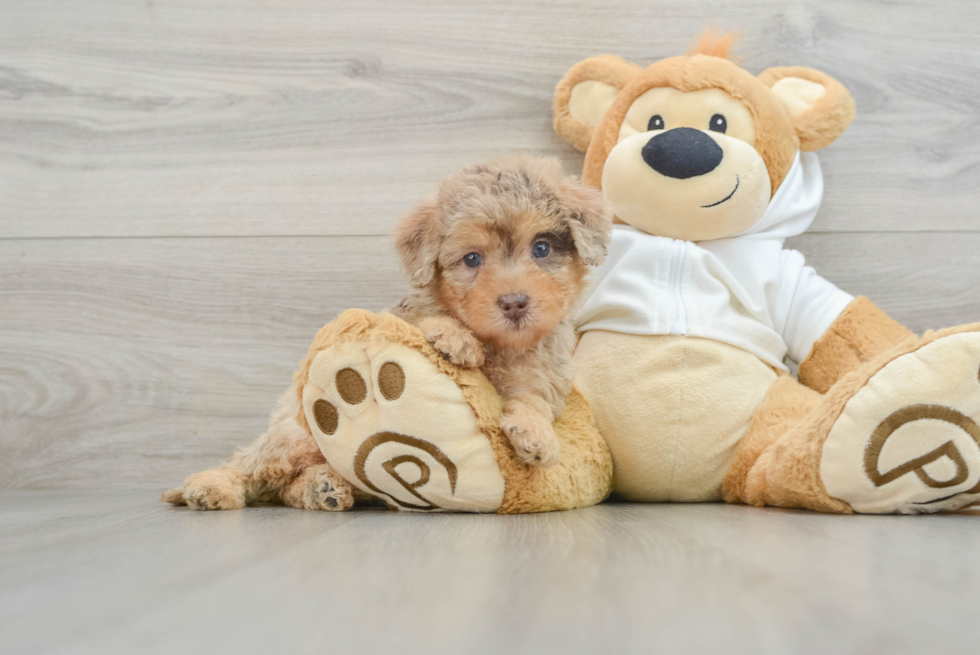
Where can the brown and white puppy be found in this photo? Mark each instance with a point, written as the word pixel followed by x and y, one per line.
pixel 498 259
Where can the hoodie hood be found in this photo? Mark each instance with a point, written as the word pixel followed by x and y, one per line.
pixel 792 210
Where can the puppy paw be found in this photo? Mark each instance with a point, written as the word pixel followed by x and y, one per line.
pixel 320 488
pixel 212 489
pixel 534 440
pixel 456 343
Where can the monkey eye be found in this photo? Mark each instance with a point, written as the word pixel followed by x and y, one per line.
pixel 718 124
pixel 472 260
pixel 540 249
pixel 656 123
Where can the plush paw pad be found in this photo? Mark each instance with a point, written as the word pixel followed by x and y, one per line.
pixel 392 424
pixel 909 440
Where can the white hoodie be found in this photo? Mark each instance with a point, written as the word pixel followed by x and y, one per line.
pixel 745 290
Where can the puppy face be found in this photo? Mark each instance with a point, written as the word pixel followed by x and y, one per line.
pixel 505 247
pixel 511 281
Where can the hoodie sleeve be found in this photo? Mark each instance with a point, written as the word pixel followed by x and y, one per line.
pixel 805 305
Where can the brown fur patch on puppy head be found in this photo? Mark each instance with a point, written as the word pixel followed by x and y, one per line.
pixel 505 246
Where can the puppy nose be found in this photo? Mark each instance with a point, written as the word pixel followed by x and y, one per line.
pixel 682 152
pixel 514 305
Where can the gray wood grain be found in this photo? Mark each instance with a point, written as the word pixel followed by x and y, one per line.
pixel 232 117
pixel 136 361
pixel 109 572
pixel 133 362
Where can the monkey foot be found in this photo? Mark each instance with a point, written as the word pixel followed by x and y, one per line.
pixel 909 441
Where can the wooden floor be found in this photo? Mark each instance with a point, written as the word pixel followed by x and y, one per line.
pixel 107 572
pixel 189 189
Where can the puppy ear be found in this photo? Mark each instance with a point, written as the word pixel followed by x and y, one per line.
pixel 417 240
pixel 585 93
pixel 590 221
pixel 819 106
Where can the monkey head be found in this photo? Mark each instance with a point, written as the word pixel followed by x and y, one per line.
pixel 694 147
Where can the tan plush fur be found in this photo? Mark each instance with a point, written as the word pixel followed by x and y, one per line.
pixel 473 245
pixel 785 404
pixel 828 118
pixel 709 43
pixel 860 333
pixel 609 69
pixel 583 476
pixel 787 473
pixel 671 408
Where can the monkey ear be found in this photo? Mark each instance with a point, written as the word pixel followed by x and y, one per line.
pixel 586 92
pixel 590 221
pixel 819 106
pixel 417 240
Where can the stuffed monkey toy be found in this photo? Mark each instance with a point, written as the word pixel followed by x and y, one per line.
pixel 709 169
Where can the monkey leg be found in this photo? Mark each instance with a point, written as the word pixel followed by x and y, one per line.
pixel 898 434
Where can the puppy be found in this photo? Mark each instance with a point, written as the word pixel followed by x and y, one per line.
pixel 497 259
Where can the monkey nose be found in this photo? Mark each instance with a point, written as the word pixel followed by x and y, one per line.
pixel 513 305
pixel 682 152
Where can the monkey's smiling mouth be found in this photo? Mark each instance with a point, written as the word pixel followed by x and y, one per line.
pixel 726 198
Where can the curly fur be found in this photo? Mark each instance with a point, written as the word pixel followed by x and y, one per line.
pixel 499 210
pixel 283 465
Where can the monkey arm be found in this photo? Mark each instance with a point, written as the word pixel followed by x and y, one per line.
pixel 804 306
pixel 858 335
pixel 828 331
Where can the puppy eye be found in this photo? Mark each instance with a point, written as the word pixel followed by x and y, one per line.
pixel 718 124
pixel 656 123
pixel 541 249
pixel 473 260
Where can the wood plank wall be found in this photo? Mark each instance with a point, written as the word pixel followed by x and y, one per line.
pixel 190 188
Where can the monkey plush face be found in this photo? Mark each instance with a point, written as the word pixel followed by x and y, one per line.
pixel 694 147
